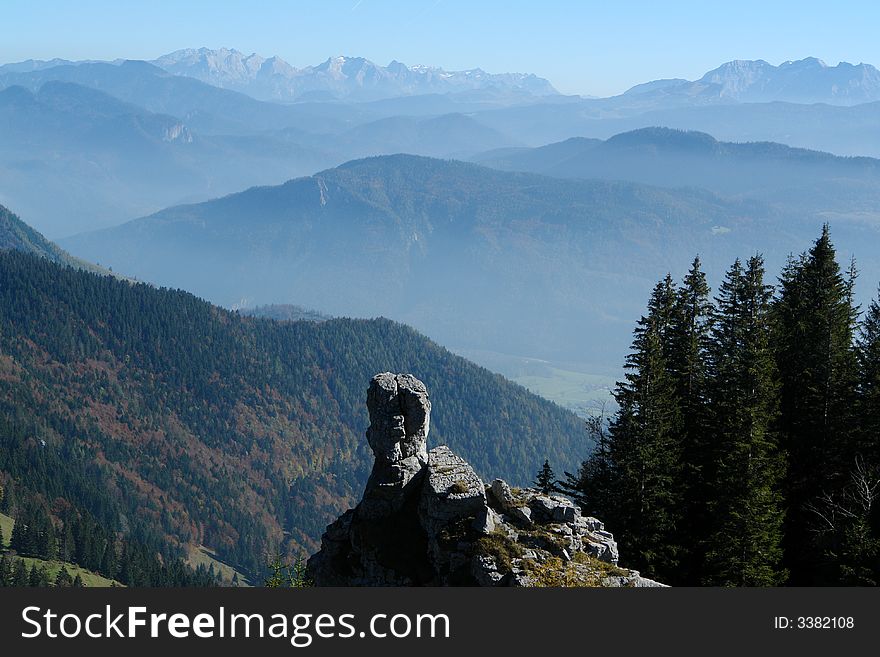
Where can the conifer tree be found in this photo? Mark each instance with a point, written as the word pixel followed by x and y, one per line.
pixel 44 536
pixel 594 487
pixel 689 344
pixel 814 325
pixel 545 480
pixel 644 446
pixel 66 545
pixel 63 578
pixel 20 574
pixel 108 560
pixel 6 501
pixel 744 541
pixel 19 541
pixel 849 517
pixel 5 571
pixel 34 578
pixel 868 355
pixel 689 341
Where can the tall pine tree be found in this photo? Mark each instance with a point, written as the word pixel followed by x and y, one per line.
pixel 868 355
pixel 744 540
pixel 643 448
pixel 689 342
pixel 814 325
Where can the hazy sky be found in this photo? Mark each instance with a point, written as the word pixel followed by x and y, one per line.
pixel 584 47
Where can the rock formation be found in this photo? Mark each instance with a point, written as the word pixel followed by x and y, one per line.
pixel 427 519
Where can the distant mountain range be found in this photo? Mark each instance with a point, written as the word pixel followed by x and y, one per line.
pixel 348 78
pixel 812 182
pixel 842 130
pixel 337 78
pixel 356 79
pixel 205 108
pixel 85 145
pixel 807 80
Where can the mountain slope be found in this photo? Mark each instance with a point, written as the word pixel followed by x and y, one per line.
pixel 173 420
pixel 478 259
pixel 15 235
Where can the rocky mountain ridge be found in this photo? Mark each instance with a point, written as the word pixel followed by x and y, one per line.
pixel 427 519
pixel 808 80
pixel 352 78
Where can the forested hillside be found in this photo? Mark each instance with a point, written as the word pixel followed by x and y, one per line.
pixel 174 423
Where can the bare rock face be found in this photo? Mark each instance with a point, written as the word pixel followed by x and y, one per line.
pixel 380 542
pixel 426 518
pixel 400 416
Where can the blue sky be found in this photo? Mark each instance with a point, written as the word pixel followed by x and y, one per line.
pixel 584 47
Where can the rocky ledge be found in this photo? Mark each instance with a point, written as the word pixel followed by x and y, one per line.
pixel 427 519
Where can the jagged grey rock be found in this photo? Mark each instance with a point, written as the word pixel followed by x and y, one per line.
pixel 451 490
pixel 427 518
pixel 400 417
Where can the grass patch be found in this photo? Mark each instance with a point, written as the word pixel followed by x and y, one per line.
pixel 543 539
pixel 576 391
pixel 6 525
pixel 501 547
pixel 89 578
pixel 202 556
pixel 605 568
pixel 579 387
pixel 582 571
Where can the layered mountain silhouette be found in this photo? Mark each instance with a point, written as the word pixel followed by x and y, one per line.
pixel 92 145
pixel 75 158
pixel 140 138
pixel 476 258
pixel 813 182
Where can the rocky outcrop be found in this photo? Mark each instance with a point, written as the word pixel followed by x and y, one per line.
pixel 427 519
pixel 398 435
